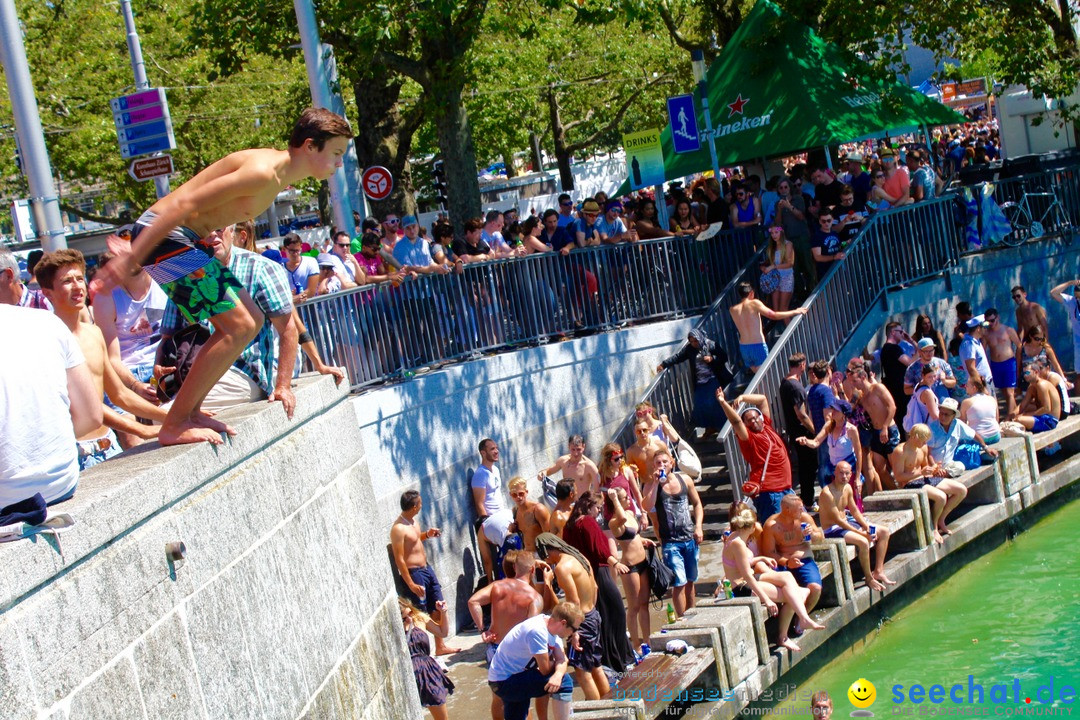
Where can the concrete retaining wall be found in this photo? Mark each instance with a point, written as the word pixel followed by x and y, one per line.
pixel 283 608
pixel 424 434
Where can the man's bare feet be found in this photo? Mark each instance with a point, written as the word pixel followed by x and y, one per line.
pixel 789 644
pixel 937 538
pixel 873 584
pixel 882 577
pixel 203 420
pixel 944 530
pixel 187 432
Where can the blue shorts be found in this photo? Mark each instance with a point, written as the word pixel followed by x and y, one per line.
pixel 425 578
pixel 1003 373
pixel 1044 423
pixel 95 452
pixel 808 574
pixel 682 558
pixel 835 531
pixel 767 503
pixel 754 354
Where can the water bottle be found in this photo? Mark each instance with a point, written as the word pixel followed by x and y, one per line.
pixel 727 590
pixel 671 617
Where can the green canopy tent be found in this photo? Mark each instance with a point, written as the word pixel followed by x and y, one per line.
pixel 777 89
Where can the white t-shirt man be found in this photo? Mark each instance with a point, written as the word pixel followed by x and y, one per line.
pixel 37 440
pixel 972 349
pixel 497 526
pixel 527 638
pixel 298 278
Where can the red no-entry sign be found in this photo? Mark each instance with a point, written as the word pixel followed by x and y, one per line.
pixel 377 182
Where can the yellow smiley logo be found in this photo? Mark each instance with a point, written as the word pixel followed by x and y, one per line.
pixel 862 693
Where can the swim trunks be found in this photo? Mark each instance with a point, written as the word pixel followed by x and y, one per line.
pixel 754 354
pixel 885 449
pixel 185 268
pixel 425 578
pixel 589 638
pixel 835 531
pixel 1044 423
pixel 808 574
pixel 1004 373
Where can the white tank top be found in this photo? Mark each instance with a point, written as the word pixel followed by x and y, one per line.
pixel 138 324
pixel 981 415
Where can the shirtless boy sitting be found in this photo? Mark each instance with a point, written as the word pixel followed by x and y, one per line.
pixel 747 314
pixel 62 277
pixel 530 517
pixel 839 514
pixel 786 537
pixel 407 546
pixel 169 240
pixel 913 467
pixel 576 466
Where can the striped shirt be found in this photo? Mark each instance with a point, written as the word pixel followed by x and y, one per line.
pixel 268 284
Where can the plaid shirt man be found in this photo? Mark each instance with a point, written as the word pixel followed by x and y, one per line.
pixel 268 284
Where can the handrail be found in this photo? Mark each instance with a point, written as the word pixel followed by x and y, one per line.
pixel 385 331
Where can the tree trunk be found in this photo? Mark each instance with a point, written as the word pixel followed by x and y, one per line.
pixel 537 155
pixel 384 137
pixel 508 161
pixel 558 134
pixel 459 155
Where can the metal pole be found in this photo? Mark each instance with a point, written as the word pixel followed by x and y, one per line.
pixel 661 207
pixel 35 156
pixel 322 97
pixel 138 67
pixel 708 128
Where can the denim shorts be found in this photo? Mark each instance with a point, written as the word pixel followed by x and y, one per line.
pixel 682 558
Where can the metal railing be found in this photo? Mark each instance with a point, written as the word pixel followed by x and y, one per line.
pixel 672 390
pixel 1064 184
pixel 386 331
pixel 895 247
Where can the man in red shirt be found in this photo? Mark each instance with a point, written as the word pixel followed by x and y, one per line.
pixel 762 448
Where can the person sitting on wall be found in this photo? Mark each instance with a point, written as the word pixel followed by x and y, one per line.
pixel 1042 405
pixel 913 467
pixel 407 543
pixel 841 518
pixel 786 537
pixel 954 444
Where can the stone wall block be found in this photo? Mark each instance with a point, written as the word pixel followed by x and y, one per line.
pixel 166 673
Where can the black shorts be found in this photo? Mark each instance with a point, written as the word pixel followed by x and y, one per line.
pixel 885 449
pixel 589 638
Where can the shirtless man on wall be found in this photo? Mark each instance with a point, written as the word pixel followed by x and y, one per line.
pixel 913 467
pixel 786 537
pixel 62 277
pixel 407 546
pixel 747 314
pixel 1001 343
pixel 1028 312
pixel 565 497
pixel 878 403
pixel 512 600
pixel 576 466
pixel 840 517
pixel 530 517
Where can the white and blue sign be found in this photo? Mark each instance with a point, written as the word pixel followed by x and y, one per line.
pixel 143 124
pixel 684 129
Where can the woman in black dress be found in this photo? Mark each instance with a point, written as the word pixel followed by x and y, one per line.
pixel 431 680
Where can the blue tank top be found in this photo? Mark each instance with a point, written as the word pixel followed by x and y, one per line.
pixel 840 449
pixel 747 214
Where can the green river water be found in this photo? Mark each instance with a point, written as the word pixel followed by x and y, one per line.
pixel 1012 615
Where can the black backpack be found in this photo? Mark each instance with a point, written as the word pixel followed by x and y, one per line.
pixel 179 351
pixel 660 575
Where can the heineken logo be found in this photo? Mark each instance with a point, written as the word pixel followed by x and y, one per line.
pixel 736 107
pixel 860 100
pixel 745 124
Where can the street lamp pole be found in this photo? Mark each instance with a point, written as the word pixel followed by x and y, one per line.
pixel 697 62
pixel 44 201
pixel 138 68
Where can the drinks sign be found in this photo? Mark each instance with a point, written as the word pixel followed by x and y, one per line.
pixel 644 158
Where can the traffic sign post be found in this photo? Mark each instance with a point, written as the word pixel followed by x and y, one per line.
pixel 143 124
pixel 151 167
pixel 378 183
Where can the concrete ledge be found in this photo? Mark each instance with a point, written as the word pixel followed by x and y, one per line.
pixel 116 496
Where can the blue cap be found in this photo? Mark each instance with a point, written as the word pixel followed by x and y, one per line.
pixel 408 220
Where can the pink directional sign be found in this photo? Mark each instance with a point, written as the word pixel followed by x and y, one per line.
pixel 148 113
pixel 146 97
